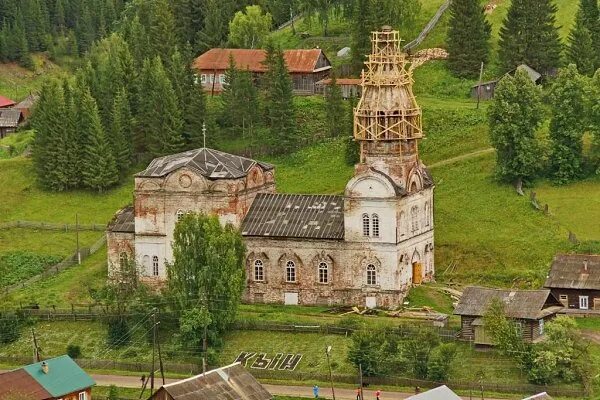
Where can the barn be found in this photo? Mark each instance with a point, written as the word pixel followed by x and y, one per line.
pixel 529 309
pixel 350 87
pixel 574 279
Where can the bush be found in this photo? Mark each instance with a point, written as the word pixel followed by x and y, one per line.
pixel 439 362
pixel 73 351
pixel 10 328
pixel 118 333
pixel 113 393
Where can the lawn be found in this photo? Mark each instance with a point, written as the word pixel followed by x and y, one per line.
pixel 45 241
pixel 17 82
pixel 14 145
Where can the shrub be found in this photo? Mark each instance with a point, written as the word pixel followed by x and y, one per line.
pixel 10 328
pixel 113 393
pixel 73 351
pixel 439 362
pixel 118 333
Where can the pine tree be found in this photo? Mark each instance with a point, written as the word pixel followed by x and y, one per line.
pixel 594 115
pixel 529 35
pixel 240 100
pixel 121 138
pixel 352 151
pixel 590 13
pixel 515 115
pixel 567 125
pixel 73 140
pixel 580 47
pixel 161 30
pixel 468 37
pixel 334 108
pixel 98 166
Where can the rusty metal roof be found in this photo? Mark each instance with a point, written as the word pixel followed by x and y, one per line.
pixel 232 382
pixel 212 164
pixel 19 382
pixel 520 304
pixel 123 221
pixel 10 117
pixel 297 61
pixel 295 215
pixel 574 271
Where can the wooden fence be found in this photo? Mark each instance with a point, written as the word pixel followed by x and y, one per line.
pixel 428 28
pixel 51 226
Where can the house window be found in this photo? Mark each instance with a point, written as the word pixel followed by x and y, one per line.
pixel 222 79
pixel 414 214
pixel 366 224
pixel 323 272
pixel 541 325
pixel 180 215
pixel 583 302
pixel 371 275
pixel 155 266
pixel 290 272
pixel 375 225
pixel 259 271
pixel 82 396
pixel 203 78
pixel 519 327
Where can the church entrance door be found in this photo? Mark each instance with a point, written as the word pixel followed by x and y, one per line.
pixel 417 273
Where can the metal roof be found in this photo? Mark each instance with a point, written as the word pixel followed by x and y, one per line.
pixel 539 396
pixel 232 382
pixel 64 376
pixel 439 393
pixel 10 117
pixel 27 102
pixel 297 60
pixel 296 216
pixel 212 164
pixel 123 221
pixel 520 304
pixel 20 383
pixel 574 271
pixel 6 102
pixel 533 74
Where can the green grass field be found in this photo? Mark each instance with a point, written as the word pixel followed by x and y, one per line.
pixel 17 82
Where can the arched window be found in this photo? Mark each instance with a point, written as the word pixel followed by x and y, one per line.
pixel 375 218
pixel 259 271
pixel 180 215
pixel 366 227
pixel 414 214
pixel 323 272
pixel 426 214
pixel 401 222
pixel 290 271
pixel 155 266
pixel 371 275
pixel 123 260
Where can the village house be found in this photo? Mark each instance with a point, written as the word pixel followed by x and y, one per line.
pixel 365 247
pixel 485 90
pixel 306 67
pixel 5 102
pixel 574 279
pixel 10 118
pixel 26 105
pixel 232 382
pixel 58 378
pixel 529 309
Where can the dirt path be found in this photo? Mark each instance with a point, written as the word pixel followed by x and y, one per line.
pixel 462 157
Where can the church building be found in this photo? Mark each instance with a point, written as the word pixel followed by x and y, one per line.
pixel 366 247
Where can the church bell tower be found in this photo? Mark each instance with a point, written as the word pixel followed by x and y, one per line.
pixel 387 119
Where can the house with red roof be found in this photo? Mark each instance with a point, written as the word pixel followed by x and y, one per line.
pixel 306 67
pixel 5 102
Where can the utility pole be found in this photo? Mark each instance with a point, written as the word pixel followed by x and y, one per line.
pixel 160 361
pixel 327 351
pixel 77 238
pixel 479 85
pixel 153 352
pixel 36 349
pixel 362 397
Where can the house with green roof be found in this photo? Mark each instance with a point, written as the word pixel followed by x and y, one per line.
pixel 58 378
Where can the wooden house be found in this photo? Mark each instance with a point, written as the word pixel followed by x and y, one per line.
pixel 26 105
pixel 232 382
pixel 574 279
pixel 10 118
pixel 58 378
pixel 485 90
pixel 306 67
pixel 439 393
pixel 350 87
pixel 529 309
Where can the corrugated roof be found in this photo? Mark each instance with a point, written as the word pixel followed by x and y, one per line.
pixel 212 164
pixel 298 60
pixel 123 221
pixel 574 271
pixel 295 215
pixel 439 393
pixel 232 382
pixel 19 382
pixel 6 102
pixel 539 396
pixel 27 102
pixel 520 304
pixel 9 117
pixel 533 74
pixel 64 376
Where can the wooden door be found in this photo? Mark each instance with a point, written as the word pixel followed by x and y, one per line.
pixel 417 276
pixel 596 304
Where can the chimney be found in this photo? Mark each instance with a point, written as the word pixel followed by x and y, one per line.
pixel 45 368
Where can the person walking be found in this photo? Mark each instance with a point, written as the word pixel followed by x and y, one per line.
pixel 378 394
pixel 358 394
pixel 316 391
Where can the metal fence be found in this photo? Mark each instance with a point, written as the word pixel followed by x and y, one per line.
pixel 52 226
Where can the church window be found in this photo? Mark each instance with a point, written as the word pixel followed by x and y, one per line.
pixel 123 260
pixel 155 266
pixel 259 271
pixel 366 227
pixel 426 212
pixel 371 275
pixel 323 272
pixel 375 225
pixel 290 271
pixel 414 213
pixel 401 222
pixel 180 215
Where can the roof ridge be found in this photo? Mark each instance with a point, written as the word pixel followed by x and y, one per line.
pixel 201 375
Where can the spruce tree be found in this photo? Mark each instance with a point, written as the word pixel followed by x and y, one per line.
pixel 161 30
pixel 74 140
pixel 121 138
pixel 468 38
pixel 529 35
pixel 580 50
pixel 98 167
pixel 240 100
pixel 352 150
pixel 361 34
pixel 567 125
pixel 195 118
pixel 514 116
pixel 594 115
pixel 334 108
pixel 590 13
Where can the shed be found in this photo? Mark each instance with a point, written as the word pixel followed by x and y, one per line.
pixel 5 102
pixel 350 87
pixel 56 378
pixel 10 118
pixel 26 105
pixel 529 309
pixel 344 52
pixel 439 393
pixel 574 279
pixel 306 67
pixel 486 89
pixel 232 382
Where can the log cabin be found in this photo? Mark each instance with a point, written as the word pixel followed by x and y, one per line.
pixel 574 279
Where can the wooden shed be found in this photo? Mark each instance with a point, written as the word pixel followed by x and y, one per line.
pixel 574 279
pixel 529 309
pixel 10 118
pixel 350 87
pixel 485 90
